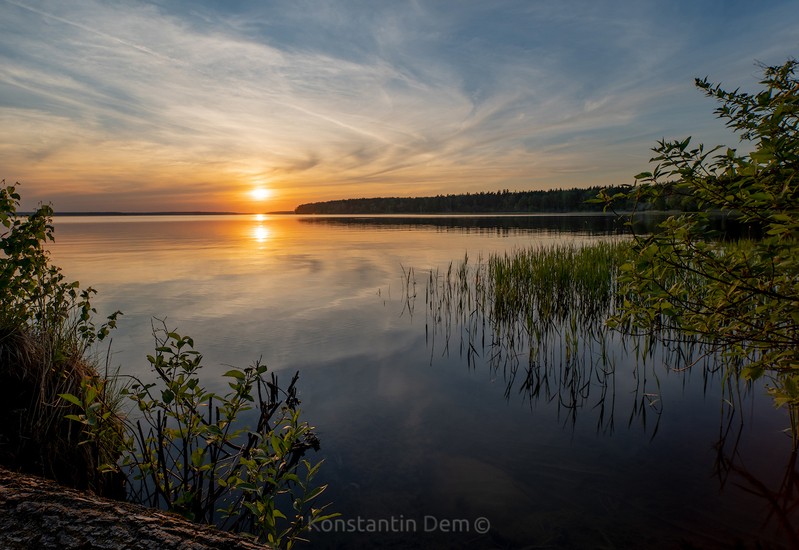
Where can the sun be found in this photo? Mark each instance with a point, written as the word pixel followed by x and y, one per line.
pixel 260 193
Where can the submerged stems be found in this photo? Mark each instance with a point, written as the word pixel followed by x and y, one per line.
pixel 557 307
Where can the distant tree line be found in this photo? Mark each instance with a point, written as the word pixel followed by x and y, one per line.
pixel 554 200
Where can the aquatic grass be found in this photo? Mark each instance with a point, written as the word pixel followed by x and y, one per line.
pixel 550 285
pixel 541 316
pixel 537 291
pixel 536 315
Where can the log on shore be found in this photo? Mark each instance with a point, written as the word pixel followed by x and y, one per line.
pixel 38 513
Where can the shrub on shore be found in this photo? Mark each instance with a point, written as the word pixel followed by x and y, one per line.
pixel 187 450
pixel 46 332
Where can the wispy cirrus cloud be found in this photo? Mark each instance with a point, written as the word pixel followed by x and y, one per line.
pixel 149 106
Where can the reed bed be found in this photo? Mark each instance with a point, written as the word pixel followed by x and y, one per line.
pixel 530 294
pixel 539 316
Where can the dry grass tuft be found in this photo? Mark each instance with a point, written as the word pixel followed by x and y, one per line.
pixel 36 437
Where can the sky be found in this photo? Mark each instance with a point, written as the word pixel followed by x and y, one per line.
pixel 263 105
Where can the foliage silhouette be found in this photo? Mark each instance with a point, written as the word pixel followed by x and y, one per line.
pixel 741 298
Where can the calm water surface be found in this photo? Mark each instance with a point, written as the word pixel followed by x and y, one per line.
pixel 411 433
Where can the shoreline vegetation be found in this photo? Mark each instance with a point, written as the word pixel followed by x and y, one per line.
pixel 501 202
pixel 167 442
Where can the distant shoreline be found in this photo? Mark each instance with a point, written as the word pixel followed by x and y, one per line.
pixel 170 213
pixel 586 213
pixel 500 202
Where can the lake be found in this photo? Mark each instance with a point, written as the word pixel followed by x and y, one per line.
pixel 425 444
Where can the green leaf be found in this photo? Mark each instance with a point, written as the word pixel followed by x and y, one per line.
pixel 167 396
pixel 235 373
pixel 71 398
pixel 319 519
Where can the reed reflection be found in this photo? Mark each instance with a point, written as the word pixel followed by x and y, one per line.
pixel 777 495
pixel 537 317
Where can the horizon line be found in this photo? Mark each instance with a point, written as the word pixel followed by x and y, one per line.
pixel 164 213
